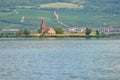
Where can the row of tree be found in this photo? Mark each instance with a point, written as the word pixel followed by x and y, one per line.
pixel 89 31
pixel 27 32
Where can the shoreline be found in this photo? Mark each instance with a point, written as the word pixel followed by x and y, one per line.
pixel 58 38
pixel 54 35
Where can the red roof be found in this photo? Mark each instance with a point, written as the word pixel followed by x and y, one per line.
pixel 47 29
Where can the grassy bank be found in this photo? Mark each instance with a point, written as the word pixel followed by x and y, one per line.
pixel 53 35
pixel 66 35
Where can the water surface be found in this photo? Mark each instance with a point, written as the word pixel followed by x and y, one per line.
pixel 59 59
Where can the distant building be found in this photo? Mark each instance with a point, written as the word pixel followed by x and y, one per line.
pixel 10 31
pixel 114 29
pixel 82 29
pixel 104 29
pixel 46 30
pixel 73 29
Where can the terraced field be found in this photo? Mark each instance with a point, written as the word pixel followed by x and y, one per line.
pixel 79 13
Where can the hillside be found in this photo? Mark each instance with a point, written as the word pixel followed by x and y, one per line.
pixel 79 13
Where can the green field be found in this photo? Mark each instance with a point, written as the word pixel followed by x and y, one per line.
pixel 72 13
pixel 32 19
pixel 61 5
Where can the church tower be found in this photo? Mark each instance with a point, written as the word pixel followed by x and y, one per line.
pixel 43 26
pixel 46 30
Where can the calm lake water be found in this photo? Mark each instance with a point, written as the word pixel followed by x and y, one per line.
pixel 59 59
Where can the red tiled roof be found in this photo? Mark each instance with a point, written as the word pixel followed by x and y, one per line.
pixel 47 29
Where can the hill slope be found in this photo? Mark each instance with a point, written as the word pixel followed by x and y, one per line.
pixel 28 13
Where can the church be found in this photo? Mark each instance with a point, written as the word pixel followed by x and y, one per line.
pixel 46 30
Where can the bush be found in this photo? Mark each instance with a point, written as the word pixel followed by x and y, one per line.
pixel 97 32
pixel 59 31
pixel 26 32
pixel 3 34
pixel 88 31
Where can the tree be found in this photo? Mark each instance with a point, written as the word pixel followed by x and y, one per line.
pixel 39 30
pixel 26 32
pixel 59 31
pixel 97 32
pixel 3 34
pixel 88 31
pixel 19 33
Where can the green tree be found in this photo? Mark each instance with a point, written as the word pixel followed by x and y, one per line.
pixel 3 34
pixel 88 31
pixel 59 31
pixel 26 32
pixel 39 30
pixel 97 32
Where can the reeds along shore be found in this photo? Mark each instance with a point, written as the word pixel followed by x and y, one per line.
pixel 62 35
pixel 55 35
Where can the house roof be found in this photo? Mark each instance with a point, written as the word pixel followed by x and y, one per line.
pixel 47 29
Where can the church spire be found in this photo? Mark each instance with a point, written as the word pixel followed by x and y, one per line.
pixel 43 26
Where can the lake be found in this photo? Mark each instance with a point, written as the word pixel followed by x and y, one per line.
pixel 59 59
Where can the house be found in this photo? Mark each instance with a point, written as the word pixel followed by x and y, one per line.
pixel 10 31
pixel 46 30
